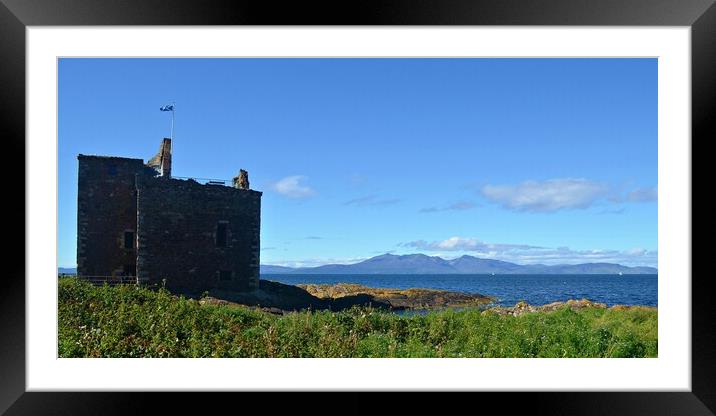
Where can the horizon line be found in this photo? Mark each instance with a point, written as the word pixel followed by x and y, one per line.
pixel 435 256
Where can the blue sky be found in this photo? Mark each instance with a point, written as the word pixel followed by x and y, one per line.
pixel 525 160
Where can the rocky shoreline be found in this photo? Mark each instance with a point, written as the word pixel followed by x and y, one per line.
pixel 281 298
pixel 522 308
pixel 277 297
pixel 413 298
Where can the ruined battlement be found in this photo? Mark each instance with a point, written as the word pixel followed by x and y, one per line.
pixel 134 219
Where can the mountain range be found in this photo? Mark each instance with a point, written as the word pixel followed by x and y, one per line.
pixel 423 264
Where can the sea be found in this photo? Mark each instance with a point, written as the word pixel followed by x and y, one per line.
pixel 635 289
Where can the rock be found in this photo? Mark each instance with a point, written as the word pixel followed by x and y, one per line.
pixel 523 307
pixel 397 298
pixel 631 308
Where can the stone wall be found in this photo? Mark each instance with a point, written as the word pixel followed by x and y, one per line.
pixel 178 225
pixel 106 209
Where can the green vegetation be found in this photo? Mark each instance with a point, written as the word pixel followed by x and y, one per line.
pixel 126 321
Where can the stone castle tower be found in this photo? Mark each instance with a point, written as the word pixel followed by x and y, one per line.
pixel 134 219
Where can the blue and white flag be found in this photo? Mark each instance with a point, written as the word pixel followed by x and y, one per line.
pixel 168 107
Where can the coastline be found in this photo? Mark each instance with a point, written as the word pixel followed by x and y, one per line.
pixel 508 289
pixel 281 298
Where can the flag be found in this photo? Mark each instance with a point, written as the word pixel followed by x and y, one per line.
pixel 168 107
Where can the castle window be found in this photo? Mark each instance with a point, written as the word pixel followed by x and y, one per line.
pixel 129 239
pixel 222 231
pixel 225 275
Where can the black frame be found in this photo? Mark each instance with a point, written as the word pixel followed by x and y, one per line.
pixel 15 15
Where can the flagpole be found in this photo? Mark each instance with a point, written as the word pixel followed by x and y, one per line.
pixel 171 148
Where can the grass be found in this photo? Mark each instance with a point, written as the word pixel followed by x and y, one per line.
pixel 127 321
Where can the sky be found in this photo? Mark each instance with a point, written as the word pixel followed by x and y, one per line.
pixel 549 161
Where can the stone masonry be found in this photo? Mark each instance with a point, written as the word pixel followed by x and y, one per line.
pixel 135 220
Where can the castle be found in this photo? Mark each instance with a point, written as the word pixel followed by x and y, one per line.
pixel 135 221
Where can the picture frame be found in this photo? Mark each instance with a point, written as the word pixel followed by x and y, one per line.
pixel 16 15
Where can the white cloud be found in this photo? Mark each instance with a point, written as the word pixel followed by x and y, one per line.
pixel 529 254
pixel 293 187
pixel 465 244
pixel 314 262
pixel 546 196
pixel 642 195
pixel 616 211
pixel 636 195
pixel 457 206
pixel 370 201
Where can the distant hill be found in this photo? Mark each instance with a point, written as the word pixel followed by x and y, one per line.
pixel 66 270
pixel 422 264
pixel 266 268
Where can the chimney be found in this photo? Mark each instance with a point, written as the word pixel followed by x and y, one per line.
pixel 242 181
pixel 166 169
pixel 162 161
